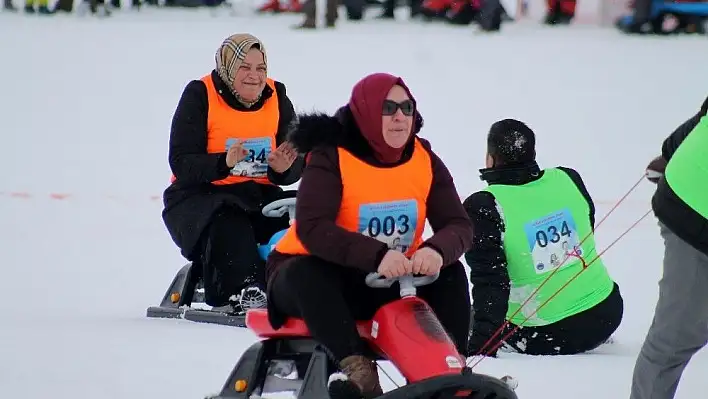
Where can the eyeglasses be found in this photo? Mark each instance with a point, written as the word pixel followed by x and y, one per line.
pixel 391 107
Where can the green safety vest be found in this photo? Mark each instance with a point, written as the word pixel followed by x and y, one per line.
pixel 544 221
pixel 687 171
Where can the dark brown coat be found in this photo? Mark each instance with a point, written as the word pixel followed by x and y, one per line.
pixel 320 191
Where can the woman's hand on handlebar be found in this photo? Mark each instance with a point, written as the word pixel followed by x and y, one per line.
pixel 395 264
pixel 426 261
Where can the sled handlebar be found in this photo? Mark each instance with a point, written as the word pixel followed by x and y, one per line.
pixel 408 283
pixel 279 208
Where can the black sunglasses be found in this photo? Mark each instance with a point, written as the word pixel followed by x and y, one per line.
pixel 391 107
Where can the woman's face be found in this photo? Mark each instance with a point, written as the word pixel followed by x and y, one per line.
pixel 397 117
pixel 250 77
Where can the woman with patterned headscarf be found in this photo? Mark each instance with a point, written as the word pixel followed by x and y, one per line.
pixel 228 155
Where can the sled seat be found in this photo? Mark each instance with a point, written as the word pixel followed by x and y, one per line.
pixel 257 321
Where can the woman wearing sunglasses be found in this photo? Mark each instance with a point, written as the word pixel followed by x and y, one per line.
pixel 368 188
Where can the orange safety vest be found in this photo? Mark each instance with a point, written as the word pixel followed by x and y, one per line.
pixel 387 204
pixel 256 130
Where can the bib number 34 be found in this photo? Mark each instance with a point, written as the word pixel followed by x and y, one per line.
pixel 256 162
pixel 553 241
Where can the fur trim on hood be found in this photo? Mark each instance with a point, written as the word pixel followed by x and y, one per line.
pixel 319 129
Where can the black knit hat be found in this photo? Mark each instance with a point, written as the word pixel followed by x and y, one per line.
pixel 511 142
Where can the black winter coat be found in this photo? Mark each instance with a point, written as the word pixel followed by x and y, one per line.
pixel 671 210
pixel 191 200
pixel 487 262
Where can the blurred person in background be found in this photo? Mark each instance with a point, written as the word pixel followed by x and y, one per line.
pixel 355 12
pixel 134 4
pixel 38 6
pixel 296 6
pixel 66 6
pixel 389 7
pixel 276 6
pixel 487 14
pixel 560 12
pixel 8 6
pixel 95 7
pixel 644 20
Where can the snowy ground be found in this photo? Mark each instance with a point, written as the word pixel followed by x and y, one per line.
pixel 86 113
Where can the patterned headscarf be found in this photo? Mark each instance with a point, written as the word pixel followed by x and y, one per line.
pixel 230 55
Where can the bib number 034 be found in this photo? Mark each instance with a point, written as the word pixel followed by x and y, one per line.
pixel 553 241
pixel 552 234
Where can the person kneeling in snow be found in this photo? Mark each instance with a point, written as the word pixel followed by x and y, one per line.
pixel 368 188
pixel 533 225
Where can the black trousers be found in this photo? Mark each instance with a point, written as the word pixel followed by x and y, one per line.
pixel 330 298
pixel 228 252
pixel 576 334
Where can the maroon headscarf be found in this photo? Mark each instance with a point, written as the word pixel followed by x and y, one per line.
pixel 366 104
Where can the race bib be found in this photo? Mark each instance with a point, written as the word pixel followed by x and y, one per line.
pixel 256 162
pixel 553 241
pixel 393 223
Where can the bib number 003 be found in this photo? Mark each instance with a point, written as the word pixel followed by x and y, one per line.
pixel 393 223
pixel 389 226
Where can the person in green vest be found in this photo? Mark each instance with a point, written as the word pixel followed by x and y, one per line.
pixel 680 325
pixel 42 9
pixel 533 225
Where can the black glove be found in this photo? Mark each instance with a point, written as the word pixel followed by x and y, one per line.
pixel 655 169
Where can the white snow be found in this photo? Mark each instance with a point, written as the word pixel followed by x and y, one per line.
pixel 86 111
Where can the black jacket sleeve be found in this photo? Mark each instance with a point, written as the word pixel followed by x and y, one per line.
pixel 488 270
pixel 188 156
pixel 286 123
pixel 575 177
pixel 672 143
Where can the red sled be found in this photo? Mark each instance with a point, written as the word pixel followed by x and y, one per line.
pixel 405 332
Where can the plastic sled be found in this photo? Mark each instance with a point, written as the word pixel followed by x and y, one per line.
pixel 661 10
pixel 405 332
pixel 187 289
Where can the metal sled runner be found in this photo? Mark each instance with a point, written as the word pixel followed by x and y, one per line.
pixel 186 287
